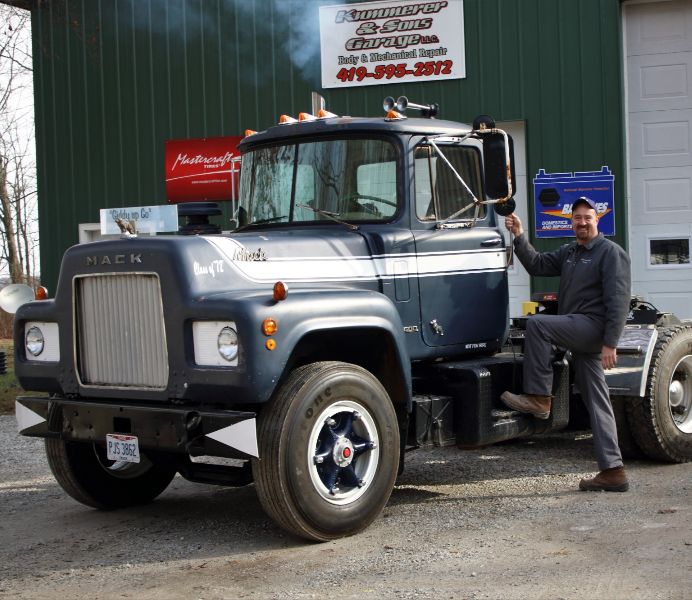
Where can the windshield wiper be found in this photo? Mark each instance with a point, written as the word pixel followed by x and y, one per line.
pixel 260 222
pixel 330 215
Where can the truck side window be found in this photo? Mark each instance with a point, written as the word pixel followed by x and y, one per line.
pixel 438 191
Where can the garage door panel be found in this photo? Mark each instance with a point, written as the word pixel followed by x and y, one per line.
pixel 660 82
pixel 675 302
pixel 661 196
pixel 658 53
pixel 658 27
pixel 660 139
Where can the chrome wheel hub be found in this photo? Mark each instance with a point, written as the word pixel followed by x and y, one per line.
pixel 680 395
pixel 343 452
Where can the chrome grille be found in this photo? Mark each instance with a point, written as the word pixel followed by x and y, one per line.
pixel 120 333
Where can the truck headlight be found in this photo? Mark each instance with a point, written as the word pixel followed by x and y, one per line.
pixel 227 343
pixel 215 343
pixel 42 341
pixel 34 341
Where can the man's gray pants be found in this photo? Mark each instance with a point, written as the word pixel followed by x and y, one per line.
pixel 583 336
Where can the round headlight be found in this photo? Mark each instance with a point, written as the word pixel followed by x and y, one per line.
pixel 227 343
pixel 34 341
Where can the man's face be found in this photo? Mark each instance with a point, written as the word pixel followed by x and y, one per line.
pixel 584 223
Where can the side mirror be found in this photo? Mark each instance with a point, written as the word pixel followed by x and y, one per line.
pixel 14 295
pixel 495 159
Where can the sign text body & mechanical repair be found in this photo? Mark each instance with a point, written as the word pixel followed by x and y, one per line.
pixel 372 43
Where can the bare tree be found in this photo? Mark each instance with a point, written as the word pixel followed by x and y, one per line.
pixel 18 217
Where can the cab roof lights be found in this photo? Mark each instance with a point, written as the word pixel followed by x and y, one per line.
pixel 287 120
pixel 249 132
pixel 306 117
pixel 325 114
pixel 393 115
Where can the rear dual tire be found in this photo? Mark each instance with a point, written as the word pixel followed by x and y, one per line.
pixel 660 423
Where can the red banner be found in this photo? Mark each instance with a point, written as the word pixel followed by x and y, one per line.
pixel 202 169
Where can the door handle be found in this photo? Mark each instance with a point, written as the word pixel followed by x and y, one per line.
pixel 491 242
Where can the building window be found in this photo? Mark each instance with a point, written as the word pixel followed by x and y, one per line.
pixel 669 251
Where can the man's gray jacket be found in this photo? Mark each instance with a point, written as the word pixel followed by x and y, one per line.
pixel 595 280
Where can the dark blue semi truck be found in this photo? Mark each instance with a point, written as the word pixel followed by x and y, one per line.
pixel 359 309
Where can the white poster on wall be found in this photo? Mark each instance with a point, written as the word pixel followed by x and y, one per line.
pixel 372 43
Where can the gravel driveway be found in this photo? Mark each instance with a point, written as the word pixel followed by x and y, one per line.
pixel 501 522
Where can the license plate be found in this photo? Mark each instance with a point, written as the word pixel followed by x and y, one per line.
pixel 124 448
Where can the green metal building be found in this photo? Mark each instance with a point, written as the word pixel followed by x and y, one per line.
pixel 114 79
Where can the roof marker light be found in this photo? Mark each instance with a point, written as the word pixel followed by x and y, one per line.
pixel 325 114
pixel 287 120
pixel 392 115
pixel 249 132
pixel 306 117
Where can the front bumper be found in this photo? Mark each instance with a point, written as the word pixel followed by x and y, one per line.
pixel 178 429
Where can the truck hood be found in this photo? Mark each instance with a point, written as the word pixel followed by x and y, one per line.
pixel 205 265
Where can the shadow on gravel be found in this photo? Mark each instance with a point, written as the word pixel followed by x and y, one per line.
pixel 187 522
pixel 560 454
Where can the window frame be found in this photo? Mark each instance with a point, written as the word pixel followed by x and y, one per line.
pixel 475 147
pixel 658 267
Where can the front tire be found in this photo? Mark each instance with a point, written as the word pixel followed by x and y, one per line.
pixel 661 421
pixel 329 451
pixel 84 472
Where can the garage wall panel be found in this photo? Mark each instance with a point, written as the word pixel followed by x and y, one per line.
pixel 115 78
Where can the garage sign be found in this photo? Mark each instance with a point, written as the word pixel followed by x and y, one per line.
pixel 371 43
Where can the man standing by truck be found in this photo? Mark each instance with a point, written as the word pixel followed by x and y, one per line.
pixel 593 303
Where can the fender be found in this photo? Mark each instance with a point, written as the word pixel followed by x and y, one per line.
pixel 307 311
pixel 635 349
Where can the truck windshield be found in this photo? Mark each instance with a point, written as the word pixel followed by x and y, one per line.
pixel 353 180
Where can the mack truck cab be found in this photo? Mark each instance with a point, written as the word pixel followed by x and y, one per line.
pixel 359 310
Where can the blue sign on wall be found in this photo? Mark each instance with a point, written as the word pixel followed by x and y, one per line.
pixel 554 194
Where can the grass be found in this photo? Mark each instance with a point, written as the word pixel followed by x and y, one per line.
pixel 9 388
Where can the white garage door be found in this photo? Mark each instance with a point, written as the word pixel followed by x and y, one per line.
pixel 658 54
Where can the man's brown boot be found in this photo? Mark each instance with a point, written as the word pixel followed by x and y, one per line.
pixel 538 406
pixel 608 480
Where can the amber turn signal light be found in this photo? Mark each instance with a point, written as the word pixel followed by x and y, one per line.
pixel 280 291
pixel 269 326
pixel 41 293
pixel 271 344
